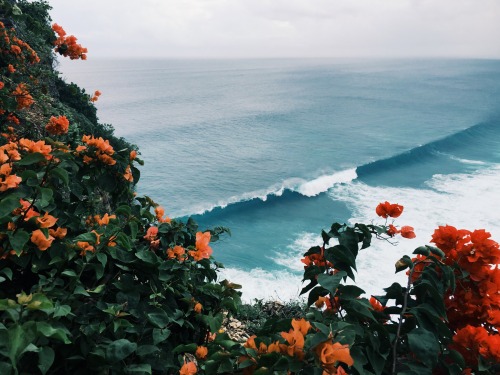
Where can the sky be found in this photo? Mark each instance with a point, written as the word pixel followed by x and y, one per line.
pixel 282 28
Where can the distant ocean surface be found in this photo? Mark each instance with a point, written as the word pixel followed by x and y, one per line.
pixel 277 150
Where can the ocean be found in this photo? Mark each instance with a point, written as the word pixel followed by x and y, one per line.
pixel 277 150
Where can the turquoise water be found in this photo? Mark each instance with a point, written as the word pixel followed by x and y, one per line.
pixel 276 150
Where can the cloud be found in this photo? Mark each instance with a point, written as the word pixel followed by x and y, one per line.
pixel 283 28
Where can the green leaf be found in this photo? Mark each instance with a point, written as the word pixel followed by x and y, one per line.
pixel 46 357
pixel 86 237
pixel 315 293
pixel 9 204
pixel 120 349
pixel 29 159
pixel 422 250
pixel 159 318
pixel 18 240
pixel 424 346
pixel 403 263
pixel 331 282
pixel 143 368
pixel 160 335
pixel 61 310
pixel 133 229
pixel 436 251
pixel 348 292
pixel 48 330
pixel 62 174
pixel 69 273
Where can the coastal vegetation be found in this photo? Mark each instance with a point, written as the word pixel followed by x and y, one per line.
pixel 97 279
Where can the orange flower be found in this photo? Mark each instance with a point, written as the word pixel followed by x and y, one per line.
pixel 387 209
pixel 23 97
pixel 201 352
pixel 39 239
pixel 10 182
pixel 330 353
pixel 301 325
pixel 295 345
pixel 160 212
pixel 176 253
pixel 407 232
pixel 188 368
pixel 392 230
pixel 376 305
pixel 128 174
pixel 203 251
pixel 449 238
pixel 104 220
pixel 46 221
pixel 151 233
pixel 85 246
pixel 32 147
pixel 11 68
pixel 103 150
pixel 59 233
pixel 133 155
pixel 198 307
pixel 57 125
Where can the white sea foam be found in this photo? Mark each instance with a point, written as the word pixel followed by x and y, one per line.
pixel 307 188
pixel 323 183
pixel 468 201
pixel 295 251
pixel 260 284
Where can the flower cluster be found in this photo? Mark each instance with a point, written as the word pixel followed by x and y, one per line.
pixel 473 308
pixel 97 148
pixel 67 45
pixel 96 96
pixel 23 97
pixel 394 210
pixel 57 125
pixel 328 353
pixel 21 52
pixel 8 155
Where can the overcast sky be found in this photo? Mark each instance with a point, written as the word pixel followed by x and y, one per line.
pixel 283 28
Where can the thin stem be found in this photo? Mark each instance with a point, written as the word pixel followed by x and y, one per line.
pixel 398 332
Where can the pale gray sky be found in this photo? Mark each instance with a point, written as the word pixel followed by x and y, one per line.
pixel 283 28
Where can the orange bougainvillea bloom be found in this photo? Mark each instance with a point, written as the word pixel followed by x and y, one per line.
pixel 103 150
pixel 96 96
pixel 176 253
pixel 85 247
pixel 160 213
pixel 46 221
pixel 387 209
pixel 295 345
pixel 59 233
pixel 128 174
pixel 203 250
pixel 9 182
pixel 39 146
pixel 407 232
pixel 301 325
pixel 57 125
pixel 449 238
pixel 392 230
pixel 330 353
pixel 104 220
pixel 151 233
pixel 188 368
pixel 133 155
pixel 376 305
pixel 23 97
pixel 39 239
pixel 198 307
pixel 201 352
